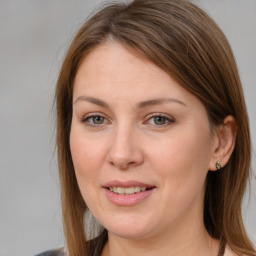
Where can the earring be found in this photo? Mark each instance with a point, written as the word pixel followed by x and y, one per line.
pixel 218 165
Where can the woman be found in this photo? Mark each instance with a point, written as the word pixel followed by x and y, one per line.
pixel 152 134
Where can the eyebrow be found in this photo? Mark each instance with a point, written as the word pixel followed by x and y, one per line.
pixel 92 100
pixel 147 103
pixel 142 104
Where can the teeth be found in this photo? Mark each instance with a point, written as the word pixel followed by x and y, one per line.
pixel 127 191
pixel 120 190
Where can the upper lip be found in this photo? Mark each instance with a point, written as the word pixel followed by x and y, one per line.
pixel 127 184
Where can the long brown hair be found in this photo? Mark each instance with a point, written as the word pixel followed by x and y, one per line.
pixel 185 42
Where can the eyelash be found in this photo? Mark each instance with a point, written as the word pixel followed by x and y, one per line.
pixel 87 118
pixel 167 120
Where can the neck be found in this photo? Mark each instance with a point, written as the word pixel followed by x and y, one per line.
pixel 193 241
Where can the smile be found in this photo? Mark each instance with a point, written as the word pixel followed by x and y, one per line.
pixel 127 191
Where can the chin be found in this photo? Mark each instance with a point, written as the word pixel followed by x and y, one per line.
pixel 131 233
pixel 130 228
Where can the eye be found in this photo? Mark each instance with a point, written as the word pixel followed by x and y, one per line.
pixel 95 120
pixel 160 119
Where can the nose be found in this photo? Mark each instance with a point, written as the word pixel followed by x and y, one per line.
pixel 126 149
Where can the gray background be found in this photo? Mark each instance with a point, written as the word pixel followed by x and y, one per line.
pixel 33 37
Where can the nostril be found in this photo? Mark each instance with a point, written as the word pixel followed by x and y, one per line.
pixel 122 164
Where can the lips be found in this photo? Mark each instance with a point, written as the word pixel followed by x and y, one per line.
pixel 127 184
pixel 127 193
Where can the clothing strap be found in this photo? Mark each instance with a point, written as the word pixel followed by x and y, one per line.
pixel 222 247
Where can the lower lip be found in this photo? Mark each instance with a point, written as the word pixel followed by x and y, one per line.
pixel 128 200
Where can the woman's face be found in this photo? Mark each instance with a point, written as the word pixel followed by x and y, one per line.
pixel 141 144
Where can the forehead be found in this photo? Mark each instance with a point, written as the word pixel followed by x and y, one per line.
pixel 111 70
pixel 112 60
pixel 113 64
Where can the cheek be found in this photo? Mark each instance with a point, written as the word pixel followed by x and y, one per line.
pixel 87 156
pixel 182 167
pixel 183 164
pixel 183 152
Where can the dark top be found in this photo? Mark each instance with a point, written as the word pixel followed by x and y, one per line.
pixel 61 253
pixel 52 253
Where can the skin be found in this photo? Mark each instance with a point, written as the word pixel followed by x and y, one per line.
pixel 124 142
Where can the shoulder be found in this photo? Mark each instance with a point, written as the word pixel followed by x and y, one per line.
pixel 58 252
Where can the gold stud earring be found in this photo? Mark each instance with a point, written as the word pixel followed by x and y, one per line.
pixel 218 165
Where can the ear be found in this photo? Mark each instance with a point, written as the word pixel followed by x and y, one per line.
pixel 224 142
